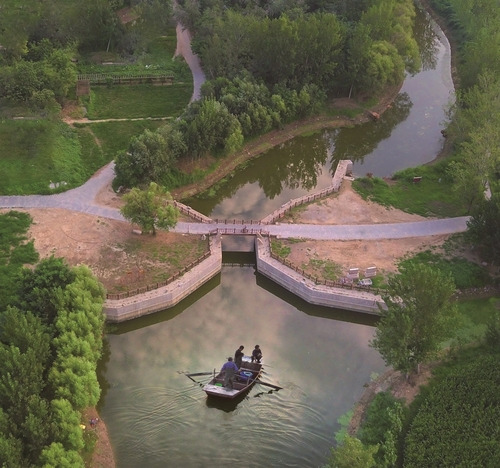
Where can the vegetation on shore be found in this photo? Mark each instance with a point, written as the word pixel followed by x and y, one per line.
pixel 51 328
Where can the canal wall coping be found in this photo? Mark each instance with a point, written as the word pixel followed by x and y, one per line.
pixel 120 310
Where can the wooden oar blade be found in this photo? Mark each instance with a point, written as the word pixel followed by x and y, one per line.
pixel 268 385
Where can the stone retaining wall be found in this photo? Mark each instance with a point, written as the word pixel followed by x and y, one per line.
pixel 359 301
pixel 170 295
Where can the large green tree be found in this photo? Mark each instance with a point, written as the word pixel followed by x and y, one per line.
pixel 484 228
pixel 419 317
pixel 352 453
pixel 150 208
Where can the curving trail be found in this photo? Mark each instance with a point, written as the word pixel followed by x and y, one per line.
pixel 184 49
pixel 83 199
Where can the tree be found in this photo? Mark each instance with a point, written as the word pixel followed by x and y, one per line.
pixel 56 455
pixel 150 208
pixel 39 288
pixel 484 227
pixel 418 318
pixel 352 453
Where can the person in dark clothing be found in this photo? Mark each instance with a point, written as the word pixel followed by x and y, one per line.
pixel 229 369
pixel 256 354
pixel 238 356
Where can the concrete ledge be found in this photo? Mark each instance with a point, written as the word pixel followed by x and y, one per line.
pixel 162 298
pixel 359 301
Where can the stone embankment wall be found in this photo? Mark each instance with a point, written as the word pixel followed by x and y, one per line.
pixel 359 301
pixel 170 295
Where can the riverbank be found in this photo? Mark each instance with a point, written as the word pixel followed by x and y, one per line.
pixel 265 142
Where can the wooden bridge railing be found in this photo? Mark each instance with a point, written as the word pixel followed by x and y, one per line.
pixel 103 79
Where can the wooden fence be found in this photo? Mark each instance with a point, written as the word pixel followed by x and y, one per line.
pixel 152 287
pixel 187 210
pixel 103 79
pixel 281 212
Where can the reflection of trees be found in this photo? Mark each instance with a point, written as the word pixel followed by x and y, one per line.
pixel 297 166
pixel 355 143
pixel 296 163
pixel 427 39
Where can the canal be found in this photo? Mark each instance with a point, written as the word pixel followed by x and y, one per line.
pixel 157 417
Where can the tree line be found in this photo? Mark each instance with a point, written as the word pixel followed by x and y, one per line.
pixel 39 43
pixel 269 67
pixel 51 329
pixel 421 313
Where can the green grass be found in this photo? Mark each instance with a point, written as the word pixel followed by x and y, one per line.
pixel 136 101
pixel 465 274
pixel 36 153
pixel 114 137
pixel 279 249
pixel 15 251
pixel 158 60
pixel 432 196
pixel 326 269
pixel 475 315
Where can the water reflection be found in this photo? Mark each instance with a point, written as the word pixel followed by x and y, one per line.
pixel 350 144
pixel 158 417
pixel 321 357
pixel 427 38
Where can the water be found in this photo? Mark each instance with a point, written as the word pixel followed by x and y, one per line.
pixel 407 134
pixel 321 357
pixel 157 417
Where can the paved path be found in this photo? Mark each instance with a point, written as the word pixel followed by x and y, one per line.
pixel 82 199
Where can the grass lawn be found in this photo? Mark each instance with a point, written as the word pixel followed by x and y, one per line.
pixel 36 153
pixel 113 137
pixel 432 196
pixel 136 101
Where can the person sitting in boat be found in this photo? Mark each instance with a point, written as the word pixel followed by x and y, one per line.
pixel 238 356
pixel 256 354
pixel 229 369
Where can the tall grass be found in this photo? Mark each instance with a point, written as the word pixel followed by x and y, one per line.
pixel 36 153
pixel 15 251
pixel 112 137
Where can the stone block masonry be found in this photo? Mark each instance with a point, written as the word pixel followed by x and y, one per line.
pixel 167 296
pixel 339 298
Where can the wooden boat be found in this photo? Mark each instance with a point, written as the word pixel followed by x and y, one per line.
pixel 243 381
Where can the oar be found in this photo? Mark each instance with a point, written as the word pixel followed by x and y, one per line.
pixel 268 384
pixel 197 374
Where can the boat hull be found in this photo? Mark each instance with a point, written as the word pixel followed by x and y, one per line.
pixel 244 380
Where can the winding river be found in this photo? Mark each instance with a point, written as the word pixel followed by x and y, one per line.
pixel 157 417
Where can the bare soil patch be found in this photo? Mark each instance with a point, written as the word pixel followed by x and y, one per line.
pixel 348 208
pixel 120 259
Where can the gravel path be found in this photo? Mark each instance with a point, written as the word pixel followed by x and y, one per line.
pixel 83 199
